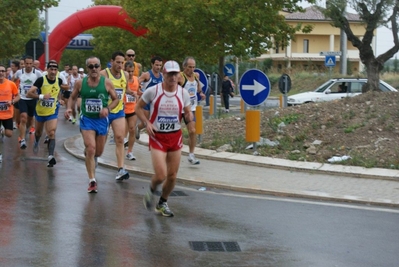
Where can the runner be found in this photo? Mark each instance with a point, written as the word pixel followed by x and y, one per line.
pixel 131 56
pixel 117 115
pixel 26 106
pixel 47 90
pixel 146 80
pixel 95 91
pixel 8 96
pixel 130 108
pixel 75 76
pixel 189 80
pixel 167 101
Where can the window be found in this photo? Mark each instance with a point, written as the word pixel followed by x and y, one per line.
pixel 356 87
pixel 306 45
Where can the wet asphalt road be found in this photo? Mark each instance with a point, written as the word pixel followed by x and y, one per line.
pixel 48 219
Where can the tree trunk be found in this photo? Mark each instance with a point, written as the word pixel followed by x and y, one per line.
pixel 373 69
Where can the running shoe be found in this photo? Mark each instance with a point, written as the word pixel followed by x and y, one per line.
pixel 148 200
pixel 125 142
pixel 2 133
pixel 95 161
pixel 1 158
pixel 70 119
pixel 22 144
pixel 92 187
pixel 137 132
pixel 192 159
pixel 130 156
pixel 51 161
pixel 73 121
pixel 31 130
pixel 164 210
pixel 111 141
pixel 122 174
pixel 46 139
pixel 14 125
pixel 35 147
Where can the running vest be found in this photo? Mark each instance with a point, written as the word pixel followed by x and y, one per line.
pixel 191 87
pixel 129 100
pixel 26 81
pixel 46 107
pixel 93 98
pixel 136 71
pixel 120 88
pixel 167 108
pixel 153 80
pixel 72 81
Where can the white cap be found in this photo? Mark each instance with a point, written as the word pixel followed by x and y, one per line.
pixel 171 66
pixel 81 69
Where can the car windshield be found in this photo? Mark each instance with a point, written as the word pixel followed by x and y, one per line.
pixel 324 86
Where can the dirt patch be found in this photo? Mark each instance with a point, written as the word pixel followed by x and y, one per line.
pixel 364 127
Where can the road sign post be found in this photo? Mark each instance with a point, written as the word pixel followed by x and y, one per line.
pixel 254 89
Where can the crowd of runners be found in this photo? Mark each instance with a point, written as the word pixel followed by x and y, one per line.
pixel 120 97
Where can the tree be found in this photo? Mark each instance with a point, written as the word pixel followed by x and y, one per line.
pixel 20 23
pixel 374 13
pixel 211 29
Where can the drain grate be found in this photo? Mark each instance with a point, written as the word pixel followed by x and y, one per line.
pixel 215 246
pixel 173 194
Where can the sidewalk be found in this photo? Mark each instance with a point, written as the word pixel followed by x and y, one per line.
pixel 264 175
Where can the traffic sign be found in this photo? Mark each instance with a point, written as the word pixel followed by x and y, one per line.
pixel 284 83
pixel 203 82
pixel 35 48
pixel 330 53
pixel 254 87
pixel 329 61
pixel 229 69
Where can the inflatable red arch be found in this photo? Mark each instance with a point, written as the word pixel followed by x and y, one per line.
pixel 84 20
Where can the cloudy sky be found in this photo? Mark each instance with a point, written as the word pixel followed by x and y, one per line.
pixel 68 7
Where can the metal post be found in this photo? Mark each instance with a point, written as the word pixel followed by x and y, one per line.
pixel 34 50
pixel 216 95
pixel 285 97
pixel 46 44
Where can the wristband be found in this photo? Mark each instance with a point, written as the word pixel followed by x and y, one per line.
pixel 41 96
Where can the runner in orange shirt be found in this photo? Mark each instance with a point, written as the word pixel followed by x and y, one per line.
pixel 8 95
pixel 130 109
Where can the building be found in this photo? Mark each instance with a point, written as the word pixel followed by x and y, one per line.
pixel 304 51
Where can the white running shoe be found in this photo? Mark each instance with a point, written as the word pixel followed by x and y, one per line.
pixel 130 156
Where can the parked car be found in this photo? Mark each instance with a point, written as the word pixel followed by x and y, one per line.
pixel 335 89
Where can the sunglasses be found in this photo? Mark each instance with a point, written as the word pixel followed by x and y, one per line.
pixel 3 71
pixel 91 66
pixel 132 55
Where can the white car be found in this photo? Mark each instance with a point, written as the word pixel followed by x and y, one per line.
pixel 335 89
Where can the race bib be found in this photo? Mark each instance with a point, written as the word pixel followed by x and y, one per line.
pixel 119 93
pixel 47 103
pixel 167 123
pixel 130 98
pixel 93 105
pixel 3 106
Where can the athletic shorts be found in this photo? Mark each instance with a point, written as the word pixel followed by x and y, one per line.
pixel 147 107
pixel 99 125
pixel 127 116
pixel 114 116
pixel 184 118
pixel 26 106
pixel 66 94
pixel 47 118
pixel 7 124
pixel 167 142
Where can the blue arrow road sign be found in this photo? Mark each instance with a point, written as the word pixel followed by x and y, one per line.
pixel 329 61
pixel 254 87
pixel 203 82
pixel 229 69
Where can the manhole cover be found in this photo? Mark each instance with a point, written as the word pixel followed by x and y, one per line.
pixel 215 246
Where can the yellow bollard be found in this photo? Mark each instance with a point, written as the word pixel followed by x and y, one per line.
pixel 199 129
pixel 242 106
pixel 211 99
pixel 252 129
pixel 281 101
